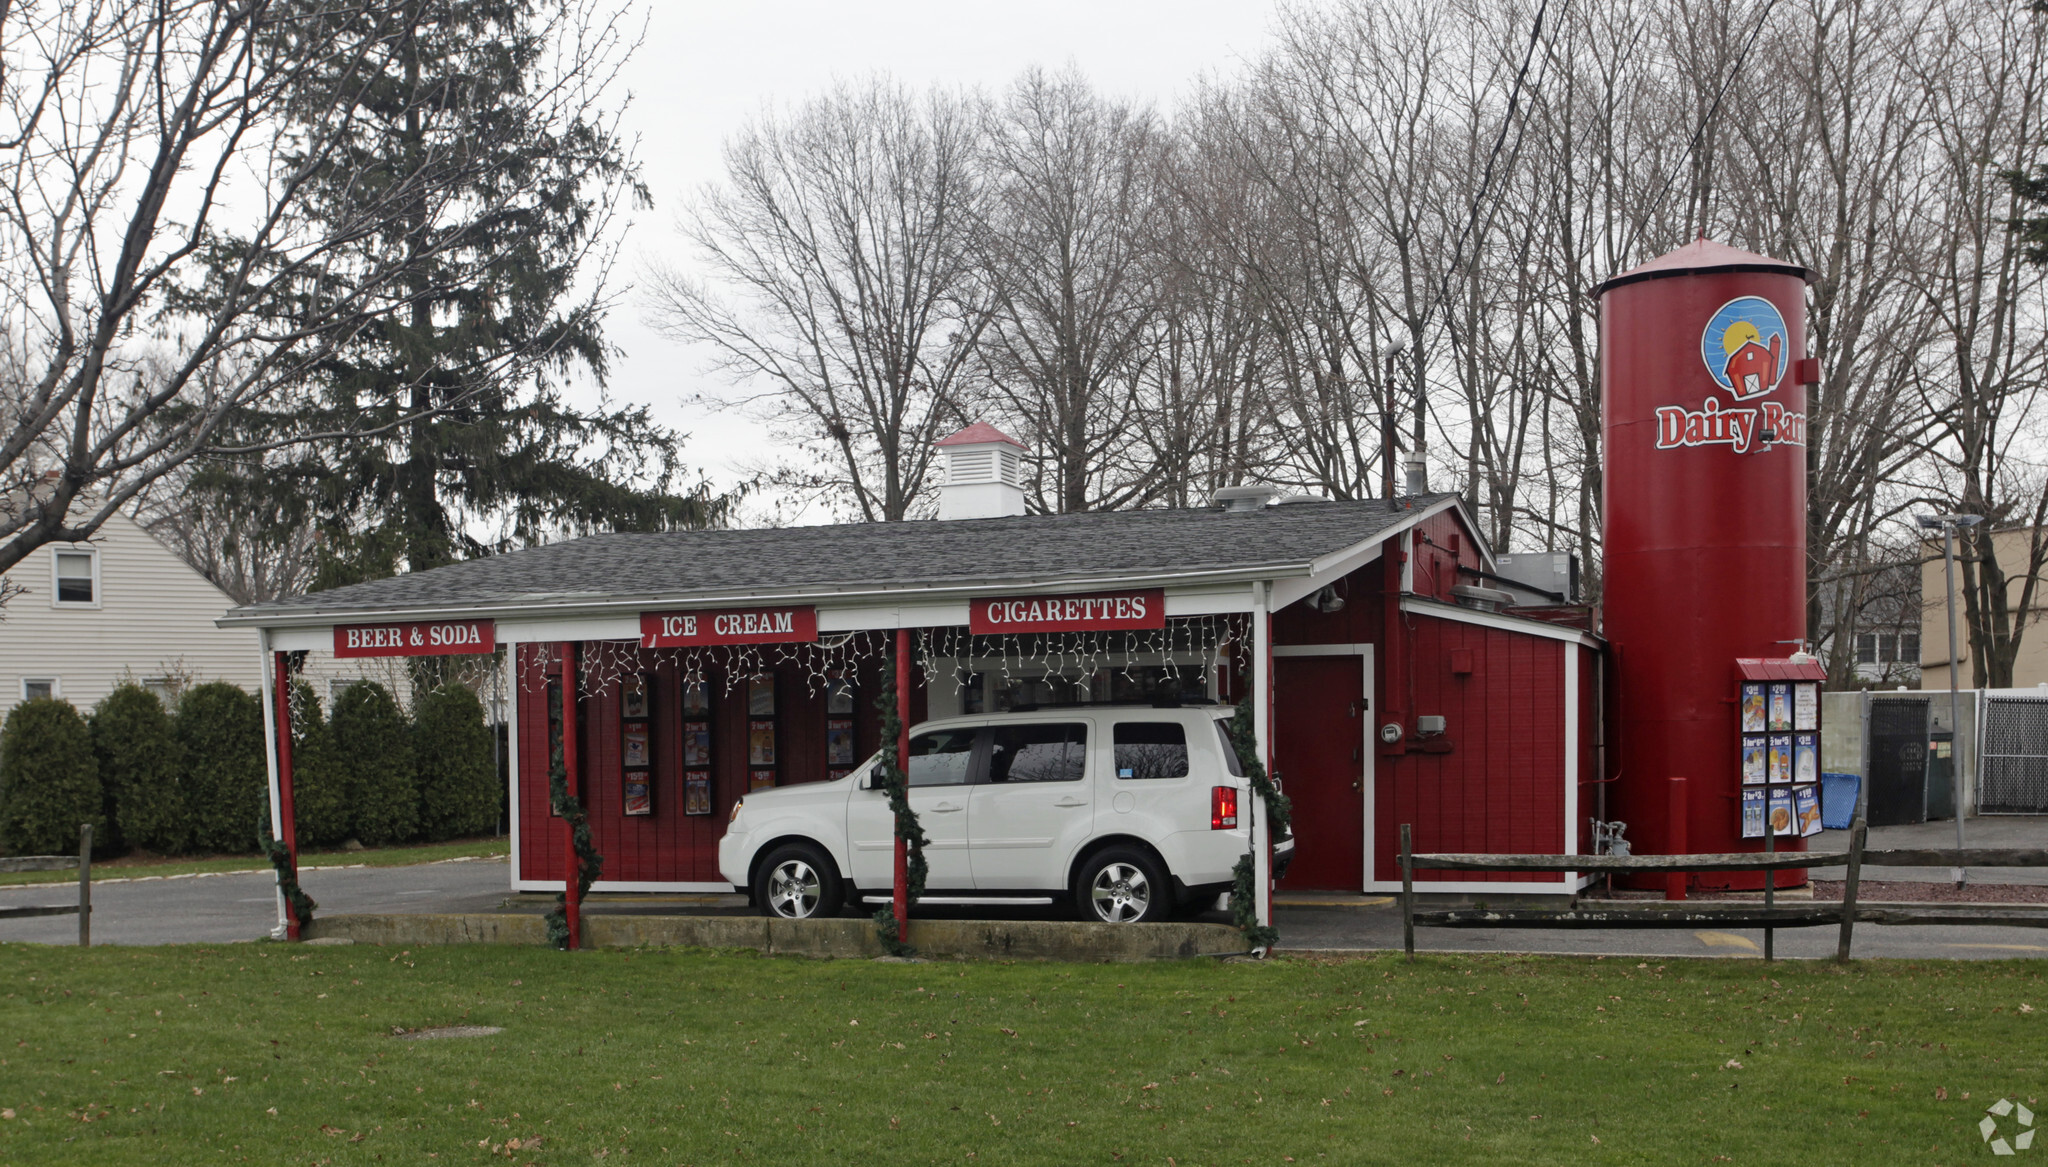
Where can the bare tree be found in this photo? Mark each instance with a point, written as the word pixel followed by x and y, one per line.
pixel 159 262
pixel 842 299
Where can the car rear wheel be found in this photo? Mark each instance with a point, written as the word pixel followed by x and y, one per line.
pixel 1122 885
pixel 798 882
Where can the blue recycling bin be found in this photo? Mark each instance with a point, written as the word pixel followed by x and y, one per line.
pixel 1838 793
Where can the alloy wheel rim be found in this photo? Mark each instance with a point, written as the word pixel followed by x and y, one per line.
pixel 793 889
pixel 1120 893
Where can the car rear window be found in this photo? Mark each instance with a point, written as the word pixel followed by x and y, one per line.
pixel 1151 749
pixel 1229 749
pixel 1054 752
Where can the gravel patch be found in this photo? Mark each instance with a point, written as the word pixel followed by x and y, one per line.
pixel 1876 890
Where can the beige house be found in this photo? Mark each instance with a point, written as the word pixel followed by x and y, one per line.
pixel 2031 668
pixel 121 607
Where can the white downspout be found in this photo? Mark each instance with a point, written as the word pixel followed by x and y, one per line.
pixel 1262 731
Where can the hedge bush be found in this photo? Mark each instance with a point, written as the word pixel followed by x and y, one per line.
pixel 142 771
pixel 319 783
pixel 373 745
pixel 227 783
pixel 49 782
pixel 459 791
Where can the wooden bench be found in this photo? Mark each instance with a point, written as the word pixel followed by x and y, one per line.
pixel 83 861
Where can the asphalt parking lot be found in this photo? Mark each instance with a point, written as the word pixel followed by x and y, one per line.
pixel 242 907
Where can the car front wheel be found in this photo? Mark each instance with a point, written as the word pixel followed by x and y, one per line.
pixel 1122 885
pixel 798 882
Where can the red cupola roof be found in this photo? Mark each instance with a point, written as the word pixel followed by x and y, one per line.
pixel 979 432
pixel 1704 255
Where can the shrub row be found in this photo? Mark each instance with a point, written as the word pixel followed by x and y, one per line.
pixel 193 779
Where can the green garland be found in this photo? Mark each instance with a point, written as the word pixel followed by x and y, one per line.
pixel 1244 890
pixel 287 874
pixel 908 829
pixel 589 864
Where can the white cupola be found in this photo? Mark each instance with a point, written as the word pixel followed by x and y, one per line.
pixel 983 474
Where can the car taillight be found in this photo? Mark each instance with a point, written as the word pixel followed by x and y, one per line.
pixel 1222 808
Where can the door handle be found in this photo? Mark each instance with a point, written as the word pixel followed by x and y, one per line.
pixel 1070 800
pixel 943 808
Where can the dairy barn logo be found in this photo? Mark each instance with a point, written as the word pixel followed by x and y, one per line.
pixel 1746 350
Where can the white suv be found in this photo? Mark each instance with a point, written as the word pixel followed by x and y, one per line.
pixel 1128 811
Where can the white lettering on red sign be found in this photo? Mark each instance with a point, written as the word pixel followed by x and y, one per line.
pixel 417 639
pixel 760 626
pixel 1123 610
pixel 1742 430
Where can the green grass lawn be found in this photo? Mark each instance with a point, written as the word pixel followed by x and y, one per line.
pixel 269 1053
pixel 131 867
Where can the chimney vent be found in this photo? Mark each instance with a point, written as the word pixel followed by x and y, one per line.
pixel 1246 499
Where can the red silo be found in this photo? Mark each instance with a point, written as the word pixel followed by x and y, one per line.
pixel 1703 509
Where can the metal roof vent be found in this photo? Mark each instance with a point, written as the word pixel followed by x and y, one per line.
pixel 1246 499
pixel 1482 599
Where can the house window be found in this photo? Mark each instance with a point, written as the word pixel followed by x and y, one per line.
pixel 34 687
pixel 1909 648
pixel 77 578
pixel 1866 648
pixel 165 688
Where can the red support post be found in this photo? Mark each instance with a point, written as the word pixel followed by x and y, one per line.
pixel 572 897
pixel 902 898
pixel 286 818
pixel 1674 834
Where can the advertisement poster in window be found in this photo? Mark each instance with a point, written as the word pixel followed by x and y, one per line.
pixel 1754 747
pixel 1781 810
pixel 696 792
pixel 696 700
pixel 1753 814
pixel 697 745
pixel 639 798
pixel 1806 705
pixel 760 743
pixel 761 695
pixel 839 745
pixel 632 697
pixel 760 779
pixel 1753 708
pixel 637 754
pixel 1781 705
pixel 1806 801
pixel 839 699
pixel 1780 763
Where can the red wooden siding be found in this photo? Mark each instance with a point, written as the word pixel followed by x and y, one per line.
pixel 1501 787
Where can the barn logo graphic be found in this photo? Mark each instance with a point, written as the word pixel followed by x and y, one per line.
pixel 1745 347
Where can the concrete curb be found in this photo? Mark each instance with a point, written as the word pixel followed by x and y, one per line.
pixel 826 939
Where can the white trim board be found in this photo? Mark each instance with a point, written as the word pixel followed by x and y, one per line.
pixel 1419 606
pixel 1364 650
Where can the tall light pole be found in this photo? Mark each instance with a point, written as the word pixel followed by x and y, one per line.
pixel 1947 525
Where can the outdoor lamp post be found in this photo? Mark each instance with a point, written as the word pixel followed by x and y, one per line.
pixel 1947 525
pixel 1396 345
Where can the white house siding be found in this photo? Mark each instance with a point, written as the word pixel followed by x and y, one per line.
pixel 154 618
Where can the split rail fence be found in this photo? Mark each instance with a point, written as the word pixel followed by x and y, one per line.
pixel 83 908
pixel 1768 915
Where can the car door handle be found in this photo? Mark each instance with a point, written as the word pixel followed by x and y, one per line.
pixel 1070 800
pixel 944 808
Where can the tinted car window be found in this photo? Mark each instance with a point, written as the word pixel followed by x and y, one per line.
pixel 941 758
pixel 1038 753
pixel 1229 749
pixel 1151 749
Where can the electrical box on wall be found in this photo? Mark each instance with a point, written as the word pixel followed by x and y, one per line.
pixel 1430 723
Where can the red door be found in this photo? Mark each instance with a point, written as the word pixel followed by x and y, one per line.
pixel 1319 715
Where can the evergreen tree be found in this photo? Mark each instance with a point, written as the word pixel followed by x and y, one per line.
pixel 456 390
pixel 373 746
pixel 227 783
pixel 459 791
pixel 49 783
pixel 319 781
pixel 141 769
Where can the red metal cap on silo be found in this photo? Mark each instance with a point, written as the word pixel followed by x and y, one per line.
pixel 1703 511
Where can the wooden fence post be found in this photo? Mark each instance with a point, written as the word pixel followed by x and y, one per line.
pixel 1857 831
pixel 85 885
pixel 1407 892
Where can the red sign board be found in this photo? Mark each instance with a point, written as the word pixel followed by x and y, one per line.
pixel 416 638
pixel 728 626
pixel 1104 611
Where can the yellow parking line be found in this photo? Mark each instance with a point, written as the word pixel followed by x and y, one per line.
pixel 1725 940
pixel 2007 947
pixel 1299 901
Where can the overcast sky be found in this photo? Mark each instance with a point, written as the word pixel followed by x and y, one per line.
pixel 706 67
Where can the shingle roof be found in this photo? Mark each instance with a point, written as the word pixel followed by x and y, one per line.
pixel 677 565
pixel 977 433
